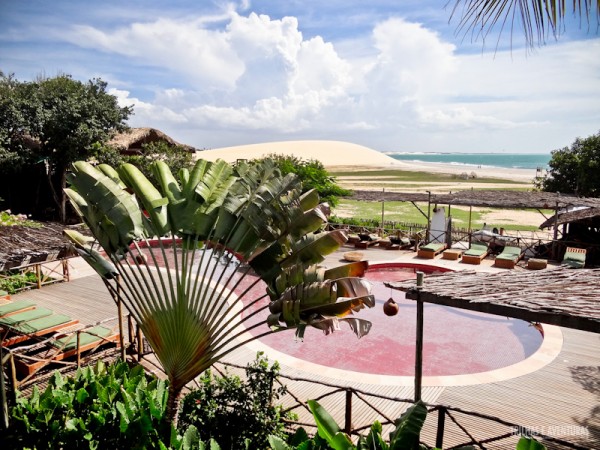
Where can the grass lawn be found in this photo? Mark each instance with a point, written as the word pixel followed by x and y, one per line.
pixel 418 177
pixel 406 212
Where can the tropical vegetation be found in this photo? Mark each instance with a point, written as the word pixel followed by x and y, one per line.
pixel 238 412
pixel 47 124
pixel 312 174
pixel 574 169
pixel 220 232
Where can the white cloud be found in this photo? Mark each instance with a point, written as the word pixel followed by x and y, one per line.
pixel 260 76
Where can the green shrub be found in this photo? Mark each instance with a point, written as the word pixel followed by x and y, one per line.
pixel 102 407
pixel 15 282
pixel 313 176
pixel 237 414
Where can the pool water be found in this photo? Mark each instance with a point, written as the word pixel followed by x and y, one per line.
pixel 455 341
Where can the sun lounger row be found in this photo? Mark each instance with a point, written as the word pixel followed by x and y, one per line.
pixel 22 321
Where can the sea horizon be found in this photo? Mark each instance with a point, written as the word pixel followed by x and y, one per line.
pixel 469 160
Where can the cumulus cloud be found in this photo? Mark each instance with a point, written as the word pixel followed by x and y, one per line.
pixel 258 74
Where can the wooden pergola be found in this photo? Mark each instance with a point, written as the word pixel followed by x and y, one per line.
pixel 564 297
pixel 488 199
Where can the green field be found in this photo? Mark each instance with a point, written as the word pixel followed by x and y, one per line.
pixel 406 212
pixel 417 177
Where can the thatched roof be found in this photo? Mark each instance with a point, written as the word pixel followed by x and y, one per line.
pixel 564 297
pixel 490 199
pixel 572 216
pixel 134 138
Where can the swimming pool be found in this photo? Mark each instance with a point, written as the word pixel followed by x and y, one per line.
pixel 456 342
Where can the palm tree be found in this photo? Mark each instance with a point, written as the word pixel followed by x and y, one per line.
pixel 538 18
pixel 186 258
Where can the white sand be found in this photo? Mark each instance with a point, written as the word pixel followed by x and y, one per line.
pixel 336 154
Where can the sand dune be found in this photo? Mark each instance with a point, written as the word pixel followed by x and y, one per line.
pixel 330 153
pixel 337 154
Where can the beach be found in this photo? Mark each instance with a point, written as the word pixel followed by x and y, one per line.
pixel 345 156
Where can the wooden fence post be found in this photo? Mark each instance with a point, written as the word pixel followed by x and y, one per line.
pixel 348 421
pixel 439 438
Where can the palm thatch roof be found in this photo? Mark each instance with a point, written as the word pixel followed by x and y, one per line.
pixel 572 216
pixel 133 139
pixel 564 297
pixel 490 198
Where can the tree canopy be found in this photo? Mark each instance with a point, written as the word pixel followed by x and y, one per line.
pixel 47 124
pixel 574 170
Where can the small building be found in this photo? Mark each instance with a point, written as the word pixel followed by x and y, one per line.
pixel 130 142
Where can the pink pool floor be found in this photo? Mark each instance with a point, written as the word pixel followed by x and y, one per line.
pixel 455 341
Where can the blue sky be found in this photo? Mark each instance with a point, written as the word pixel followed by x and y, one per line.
pixel 391 75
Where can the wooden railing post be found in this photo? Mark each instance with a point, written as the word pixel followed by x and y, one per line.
pixel 348 421
pixel 439 437
pixel 78 348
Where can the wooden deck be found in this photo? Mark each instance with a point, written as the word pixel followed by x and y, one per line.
pixel 561 400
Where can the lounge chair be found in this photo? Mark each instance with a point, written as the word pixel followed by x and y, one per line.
pixel 367 240
pixel 398 243
pixel 24 330
pixel 574 257
pixel 431 250
pixel 24 316
pixel 475 254
pixel 4 295
pixel 12 308
pixel 509 257
pixel 60 349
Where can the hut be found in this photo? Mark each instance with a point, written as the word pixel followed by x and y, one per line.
pixel 130 142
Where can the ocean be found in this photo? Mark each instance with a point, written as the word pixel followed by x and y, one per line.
pixel 504 160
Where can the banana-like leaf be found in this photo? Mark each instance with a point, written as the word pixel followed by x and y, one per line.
pixel 354 269
pixel 151 198
pixel 112 214
pixel 94 258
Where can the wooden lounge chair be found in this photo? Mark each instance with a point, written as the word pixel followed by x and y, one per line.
pixel 574 257
pixel 398 243
pixel 475 254
pixel 12 308
pixel 430 250
pixel 367 240
pixel 24 330
pixel 509 257
pixel 63 348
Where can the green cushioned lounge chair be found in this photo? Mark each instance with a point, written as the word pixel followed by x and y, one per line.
pixel 66 347
pixel 14 307
pixel 25 316
pixel 91 336
pixel 430 250
pixel 475 254
pixel 509 257
pixel 24 330
pixel 574 257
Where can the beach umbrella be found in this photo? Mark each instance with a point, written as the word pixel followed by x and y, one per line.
pixel 186 255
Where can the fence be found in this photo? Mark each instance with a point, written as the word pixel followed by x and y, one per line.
pixel 445 427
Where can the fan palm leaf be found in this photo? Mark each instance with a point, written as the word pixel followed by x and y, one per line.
pixel 213 228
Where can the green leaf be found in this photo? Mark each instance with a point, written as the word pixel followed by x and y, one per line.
pixel 277 443
pixel 82 395
pixel 527 443
pixel 71 424
pixel 408 427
